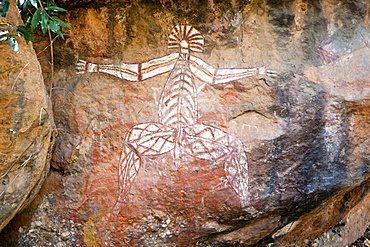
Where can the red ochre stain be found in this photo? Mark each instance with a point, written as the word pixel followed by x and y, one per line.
pixel 212 117
pixel 130 97
pixel 229 97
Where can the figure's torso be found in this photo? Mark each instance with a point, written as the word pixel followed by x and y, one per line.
pixel 178 103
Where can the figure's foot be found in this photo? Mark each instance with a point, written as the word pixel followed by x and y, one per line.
pixel 109 222
pixel 81 66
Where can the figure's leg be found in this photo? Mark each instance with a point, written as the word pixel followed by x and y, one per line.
pixel 128 168
pixel 210 143
pixel 141 140
pixel 236 169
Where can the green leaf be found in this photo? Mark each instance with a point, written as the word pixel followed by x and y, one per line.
pixel 3 32
pixel 4 24
pixel 54 26
pixel 20 3
pixel 61 22
pixel 23 4
pixel 60 34
pixel 34 3
pixel 36 18
pixel 15 67
pixel 13 43
pixel 50 3
pixel 28 19
pixel 4 8
pixel 26 33
pixel 3 38
pixel 55 8
pixel 44 24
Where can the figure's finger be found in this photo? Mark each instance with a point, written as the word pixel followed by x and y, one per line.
pixel 81 63
pixel 80 69
pixel 271 73
pixel 80 66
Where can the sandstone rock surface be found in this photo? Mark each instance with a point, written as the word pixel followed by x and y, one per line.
pixel 25 126
pixel 305 132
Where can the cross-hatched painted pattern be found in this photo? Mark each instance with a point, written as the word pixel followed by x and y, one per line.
pixel 209 143
pixel 178 104
pixel 188 34
pixel 151 138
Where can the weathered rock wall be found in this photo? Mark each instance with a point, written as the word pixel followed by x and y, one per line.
pixel 305 131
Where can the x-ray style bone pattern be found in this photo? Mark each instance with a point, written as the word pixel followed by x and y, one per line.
pixel 178 130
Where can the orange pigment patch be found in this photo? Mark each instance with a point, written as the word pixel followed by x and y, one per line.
pixel 118 33
pixel 213 118
pixel 102 182
pixel 229 97
pixel 130 97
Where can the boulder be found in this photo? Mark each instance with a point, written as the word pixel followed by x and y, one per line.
pixel 25 126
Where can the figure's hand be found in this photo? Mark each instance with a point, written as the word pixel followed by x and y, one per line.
pixel 86 67
pixel 270 73
pixel 81 66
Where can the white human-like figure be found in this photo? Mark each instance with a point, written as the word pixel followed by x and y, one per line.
pixel 178 130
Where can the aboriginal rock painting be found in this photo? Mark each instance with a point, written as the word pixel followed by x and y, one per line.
pixel 178 130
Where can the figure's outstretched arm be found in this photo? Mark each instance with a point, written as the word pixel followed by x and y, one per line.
pixel 207 73
pixel 131 71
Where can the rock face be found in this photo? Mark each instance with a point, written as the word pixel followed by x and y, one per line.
pixel 25 126
pixel 304 132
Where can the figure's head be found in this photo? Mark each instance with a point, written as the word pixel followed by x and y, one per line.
pixel 186 38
